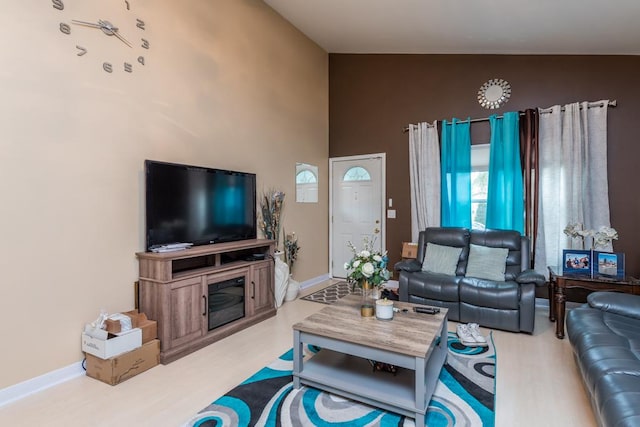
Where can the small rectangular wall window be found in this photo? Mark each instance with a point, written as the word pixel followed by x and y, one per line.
pixel 306 183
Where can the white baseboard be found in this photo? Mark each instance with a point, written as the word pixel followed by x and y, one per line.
pixel 50 379
pixel 314 281
pixel 34 385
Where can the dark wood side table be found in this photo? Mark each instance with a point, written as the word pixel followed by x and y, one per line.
pixel 558 283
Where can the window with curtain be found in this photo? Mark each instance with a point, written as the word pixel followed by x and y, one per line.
pixel 505 198
pixel 489 193
pixel 424 177
pixel 455 172
pixel 556 175
pixel 573 176
pixel 479 185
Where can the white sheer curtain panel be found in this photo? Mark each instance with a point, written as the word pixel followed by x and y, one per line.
pixel 573 176
pixel 424 170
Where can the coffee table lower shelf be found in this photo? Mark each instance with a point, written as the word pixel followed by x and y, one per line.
pixel 353 377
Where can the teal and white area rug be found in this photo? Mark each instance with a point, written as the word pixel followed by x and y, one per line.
pixel 464 396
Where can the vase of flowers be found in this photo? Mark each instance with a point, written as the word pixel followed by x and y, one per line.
pixel 291 249
pixel 367 270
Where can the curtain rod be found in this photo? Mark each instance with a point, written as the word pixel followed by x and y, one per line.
pixel 611 104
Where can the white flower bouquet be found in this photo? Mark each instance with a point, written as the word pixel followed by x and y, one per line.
pixel 599 238
pixel 367 265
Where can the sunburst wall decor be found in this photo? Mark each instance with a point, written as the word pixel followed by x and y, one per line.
pixel 494 93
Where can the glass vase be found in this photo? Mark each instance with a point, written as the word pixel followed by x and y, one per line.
pixel 366 306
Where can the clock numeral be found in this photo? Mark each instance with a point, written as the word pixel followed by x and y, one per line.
pixel 65 28
pixel 107 67
pixel 57 4
pixel 145 43
pixel 128 67
pixel 140 24
pixel 81 49
pixel 127 3
pixel 141 59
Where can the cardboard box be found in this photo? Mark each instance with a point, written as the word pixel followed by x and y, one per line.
pixel 149 327
pixel 409 250
pixel 149 330
pixel 120 368
pixel 133 314
pixel 113 326
pixel 113 345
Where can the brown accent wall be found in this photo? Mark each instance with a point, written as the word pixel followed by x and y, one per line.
pixel 373 97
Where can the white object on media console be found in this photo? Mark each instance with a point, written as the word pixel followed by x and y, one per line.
pixel 171 247
pixel 158 250
pixel 177 245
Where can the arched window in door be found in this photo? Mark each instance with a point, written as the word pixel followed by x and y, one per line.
pixel 356 173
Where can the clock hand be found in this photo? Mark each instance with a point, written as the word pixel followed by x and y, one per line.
pixel 122 38
pixel 87 24
pixel 108 28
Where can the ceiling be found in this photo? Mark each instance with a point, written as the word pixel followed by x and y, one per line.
pixel 468 26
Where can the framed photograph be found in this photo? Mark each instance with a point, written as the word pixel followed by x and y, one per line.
pixel 576 262
pixel 609 265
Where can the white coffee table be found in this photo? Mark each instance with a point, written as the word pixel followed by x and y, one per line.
pixel 417 342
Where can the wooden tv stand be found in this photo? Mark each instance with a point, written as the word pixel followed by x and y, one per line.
pixel 174 291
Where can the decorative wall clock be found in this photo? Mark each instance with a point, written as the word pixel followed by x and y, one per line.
pixel 494 93
pixel 121 25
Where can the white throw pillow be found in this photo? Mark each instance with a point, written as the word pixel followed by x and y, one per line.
pixel 487 263
pixel 441 259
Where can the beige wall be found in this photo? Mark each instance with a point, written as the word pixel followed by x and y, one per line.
pixel 227 83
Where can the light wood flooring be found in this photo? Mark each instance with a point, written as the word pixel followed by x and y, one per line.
pixel 537 381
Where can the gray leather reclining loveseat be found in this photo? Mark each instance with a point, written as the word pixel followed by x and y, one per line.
pixel 605 337
pixel 481 276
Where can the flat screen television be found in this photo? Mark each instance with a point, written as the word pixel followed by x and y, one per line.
pixel 198 205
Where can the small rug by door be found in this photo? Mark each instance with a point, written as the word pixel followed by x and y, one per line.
pixel 464 396
pixel 332 293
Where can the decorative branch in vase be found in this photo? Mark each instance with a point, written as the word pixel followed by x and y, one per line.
pixel 271 206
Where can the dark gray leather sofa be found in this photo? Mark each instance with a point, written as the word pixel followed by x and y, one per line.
pixel 507 304
pixel 605 337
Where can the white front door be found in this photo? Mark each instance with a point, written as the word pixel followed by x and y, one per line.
pixel 356 205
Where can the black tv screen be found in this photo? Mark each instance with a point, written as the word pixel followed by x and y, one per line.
pixel 198 205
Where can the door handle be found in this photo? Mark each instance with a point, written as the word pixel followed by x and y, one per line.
pixel 253 286
pixel 204 308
